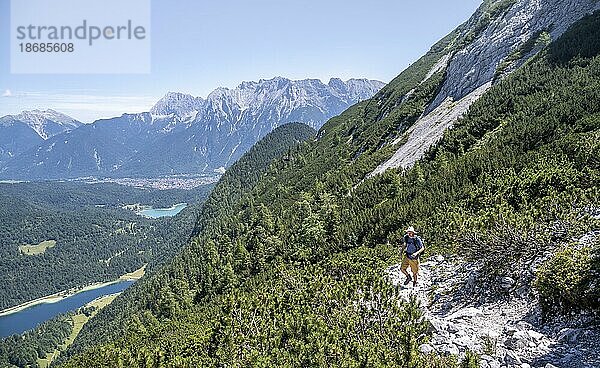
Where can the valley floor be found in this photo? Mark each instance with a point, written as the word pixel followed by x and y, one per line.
pixel 506 333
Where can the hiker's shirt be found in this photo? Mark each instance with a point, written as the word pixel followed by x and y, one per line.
pixel 412 246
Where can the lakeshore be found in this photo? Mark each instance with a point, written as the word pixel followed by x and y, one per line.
pixel 78 320
pixel 61 295
pixel 149 212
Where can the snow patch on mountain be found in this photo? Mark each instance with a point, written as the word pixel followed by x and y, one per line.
pixel 97 159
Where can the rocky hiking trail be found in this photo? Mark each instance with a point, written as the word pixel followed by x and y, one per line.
pixel 505 333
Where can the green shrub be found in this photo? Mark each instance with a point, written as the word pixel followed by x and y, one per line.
pixel 438 361
pixel 434 360
pixel 471 360
pixel 569 280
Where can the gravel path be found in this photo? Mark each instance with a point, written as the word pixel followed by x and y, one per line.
pixel 506 333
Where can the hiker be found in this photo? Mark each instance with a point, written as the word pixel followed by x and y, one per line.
pixel 413 247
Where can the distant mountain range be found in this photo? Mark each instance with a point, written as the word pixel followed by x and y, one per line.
pixel 29 129
pixel 181 134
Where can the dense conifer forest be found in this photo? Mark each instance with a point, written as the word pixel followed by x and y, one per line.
pixel 96 240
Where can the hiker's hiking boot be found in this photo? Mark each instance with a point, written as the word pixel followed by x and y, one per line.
pixel 408 280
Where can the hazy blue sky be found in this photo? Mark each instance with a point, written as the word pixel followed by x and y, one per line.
pixel 198 45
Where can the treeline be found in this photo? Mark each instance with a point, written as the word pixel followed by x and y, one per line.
pixel 292 273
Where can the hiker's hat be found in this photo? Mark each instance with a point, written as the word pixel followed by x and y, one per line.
pixel 411 230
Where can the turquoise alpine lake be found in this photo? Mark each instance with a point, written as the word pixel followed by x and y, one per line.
pixel 29 318
pixel 163 212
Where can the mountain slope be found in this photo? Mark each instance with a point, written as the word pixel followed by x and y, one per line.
pixel 504 35
pixel 294 272
pixel 183 134
pixel 31 128
pixel 235 184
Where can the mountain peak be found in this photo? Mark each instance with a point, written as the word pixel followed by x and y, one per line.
pixel 218 92
pixel 177 103
pixel 47 113
pixel 46 123
pixel 357 89
pixel 275 79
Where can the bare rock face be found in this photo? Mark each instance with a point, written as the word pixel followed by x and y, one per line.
pixel 428 130
pixel 477 63
pixel 510 38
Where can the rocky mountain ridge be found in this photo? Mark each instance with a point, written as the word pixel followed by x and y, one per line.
pixel 183 134
pixel 277 97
